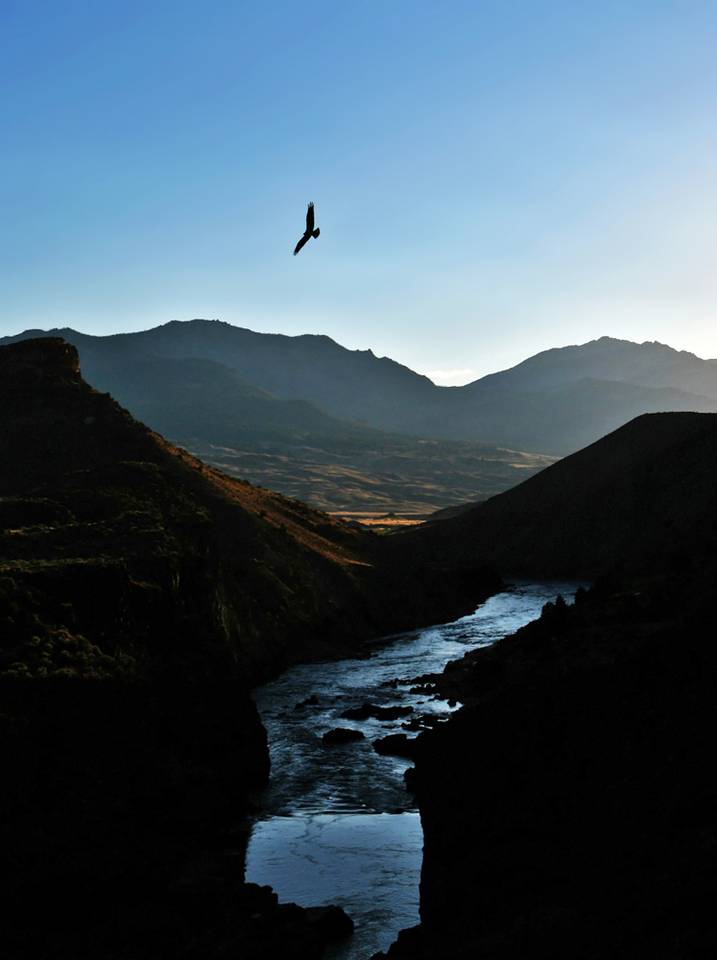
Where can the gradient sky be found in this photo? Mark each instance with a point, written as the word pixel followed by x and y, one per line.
pixel 491 179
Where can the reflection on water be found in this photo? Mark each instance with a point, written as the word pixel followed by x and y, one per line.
pixel 337 824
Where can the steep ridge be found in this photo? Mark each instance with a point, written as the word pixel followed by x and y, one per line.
pixel 345 383
pixel 569 807
pixel 105 490
pixel 141 594
pixel 641 497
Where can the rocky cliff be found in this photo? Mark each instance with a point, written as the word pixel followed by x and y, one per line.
pixel 141 594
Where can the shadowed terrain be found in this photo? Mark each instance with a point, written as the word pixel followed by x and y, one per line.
pixel 569 807
pixel 640 498
pixel 141 594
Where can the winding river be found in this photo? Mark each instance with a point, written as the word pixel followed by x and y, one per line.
pixel 337 824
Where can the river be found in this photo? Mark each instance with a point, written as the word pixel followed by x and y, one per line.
pixel 337 824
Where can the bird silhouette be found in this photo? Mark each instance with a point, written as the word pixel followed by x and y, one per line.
pixel 309 232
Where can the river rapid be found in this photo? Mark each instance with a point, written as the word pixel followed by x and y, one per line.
pixel 336 823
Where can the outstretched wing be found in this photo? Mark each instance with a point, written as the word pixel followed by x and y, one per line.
pixel 301 243
pixel 310 218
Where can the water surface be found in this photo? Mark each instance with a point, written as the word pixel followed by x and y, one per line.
pixel 337 824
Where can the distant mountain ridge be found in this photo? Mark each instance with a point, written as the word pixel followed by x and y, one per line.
pixel 554 402
pixel 645 364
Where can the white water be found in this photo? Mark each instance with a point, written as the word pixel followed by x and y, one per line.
pixel 337 824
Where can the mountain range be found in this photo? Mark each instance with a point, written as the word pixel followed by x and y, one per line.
pixel 347 431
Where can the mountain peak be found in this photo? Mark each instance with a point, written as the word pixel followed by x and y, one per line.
pixel 45 359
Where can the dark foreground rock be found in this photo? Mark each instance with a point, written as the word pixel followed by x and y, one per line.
pixel 569 808
pixel 116 808
pixel 211 916
pixel 331 923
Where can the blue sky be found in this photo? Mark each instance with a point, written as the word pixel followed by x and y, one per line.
pixel 490 179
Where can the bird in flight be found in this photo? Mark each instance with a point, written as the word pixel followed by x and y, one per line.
pixel 309 232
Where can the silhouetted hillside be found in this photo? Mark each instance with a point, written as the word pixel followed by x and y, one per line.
pixel 568 808
pixel 91 492
pixel 554 403
pixel 345 383
pixel 640 498
pixel 141 594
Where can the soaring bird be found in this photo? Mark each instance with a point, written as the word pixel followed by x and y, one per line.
pixel 309 232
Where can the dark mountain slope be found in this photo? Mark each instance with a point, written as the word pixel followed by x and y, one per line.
pixel 118 497
pixel 635 499
pixel 85 484
pixel 354 385
pixel 564 417
pixel 202 398
pixel 569 807
pixel 141 594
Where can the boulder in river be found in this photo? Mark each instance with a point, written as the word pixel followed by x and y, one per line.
pixel 341 735
pixel 330 923
pixel 395 745
pixel 312 701
pixel 373 711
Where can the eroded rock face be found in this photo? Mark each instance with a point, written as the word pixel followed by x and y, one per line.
pixel 569 808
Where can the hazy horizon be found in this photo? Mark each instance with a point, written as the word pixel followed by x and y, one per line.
pixel 490 180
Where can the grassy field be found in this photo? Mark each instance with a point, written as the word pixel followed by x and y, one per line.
pixel 404 476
